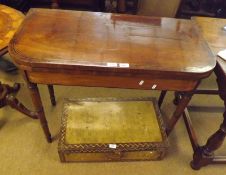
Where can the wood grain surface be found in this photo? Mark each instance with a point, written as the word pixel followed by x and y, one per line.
pixel 10 20
pixel 105 42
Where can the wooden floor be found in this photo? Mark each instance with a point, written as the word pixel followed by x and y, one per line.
pixel 24 150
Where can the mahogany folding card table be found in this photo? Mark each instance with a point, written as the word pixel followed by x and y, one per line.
pixel 75 48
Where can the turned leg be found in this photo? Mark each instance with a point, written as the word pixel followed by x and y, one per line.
pixel 183 102
pixel 161 98
pixel 205 155
pixel 52 96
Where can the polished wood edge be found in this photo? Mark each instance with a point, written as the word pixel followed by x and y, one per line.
pixel 114 72
pixel 102 147
pixel 101 70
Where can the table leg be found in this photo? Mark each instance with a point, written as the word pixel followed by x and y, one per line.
pixel 39 109
pixel 5 90
pixel 205 155
pixel 161 97
pixel 36 99
pixel 183 102
pixel 7 97
pixel 52 96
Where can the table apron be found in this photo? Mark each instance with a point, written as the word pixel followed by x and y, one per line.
pixel 147 83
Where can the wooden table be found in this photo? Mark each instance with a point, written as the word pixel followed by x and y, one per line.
pixel 109 50
pixel 10 19
pixel 213 33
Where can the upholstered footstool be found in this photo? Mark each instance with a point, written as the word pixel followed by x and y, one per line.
pixel 109 129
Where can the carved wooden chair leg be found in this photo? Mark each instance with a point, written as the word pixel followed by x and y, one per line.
pixel 52 95
pixel 161 98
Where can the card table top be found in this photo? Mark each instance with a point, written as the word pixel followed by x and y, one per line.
pixel 76 40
